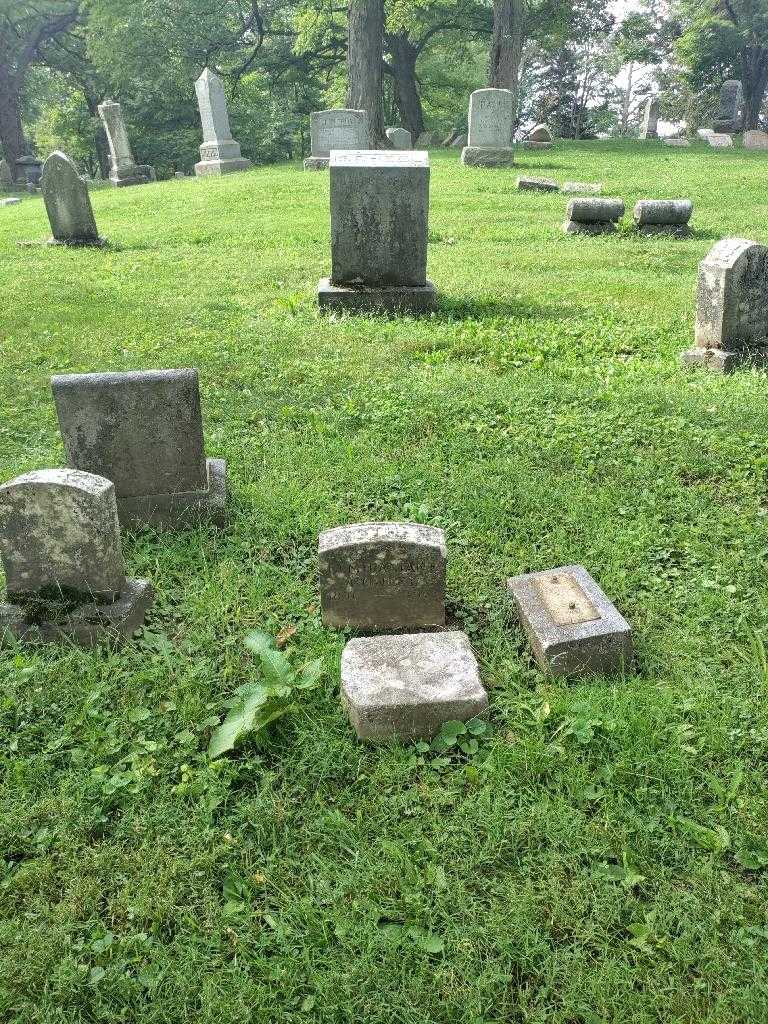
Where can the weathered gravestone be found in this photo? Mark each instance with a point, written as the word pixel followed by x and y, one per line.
pixel 663 217
pixel 704 133
pixel 539 137
pixel 491 123
pixel 29 170
pixel 335 130
pixel 428 140
pixel 537 185
pixel 460 141
pixel 676 142
pixel 63 560
pixel 571 625
pixel 718 140
pixel 593 216
pixel 755 139
pixel 68 203
pixel 379 576
pixel 731 307
pixel 406 687
pixel 400 138
pixel 729 116
pixel 379 223
pixel 143 430
pixel 649 124
pixel 219 153
pixel 123 168
pixel 6 178
pixel 583 188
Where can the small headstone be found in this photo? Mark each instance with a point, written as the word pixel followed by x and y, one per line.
pixel 406 687
pixel 6 178
pixel 729 117
pixel 123 168
pixel 11 201
pixel 583 188
pixel 63 560
pixel 663 216
pixel 179 174
pixel 491 124
pixel 143 430
pixel 400 138
pixel 571 625
pixel 379 226
pixel 335 130
pixel 428 140
pixel 676 142
pixel 219 153
pixel 755 139
pixel 539 138
pixel 29 170
pixel 537 185
pixel 649 124
pixel 593 216
pixel 380 576
pixel 718 140
pixel 731 306
pixel 68 203
pixel 460 141
pixel 704 133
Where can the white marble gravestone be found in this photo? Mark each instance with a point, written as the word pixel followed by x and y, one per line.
pixel 337 130
pixel 400 138
pixel 491 124
pixel 219 153
pixel 649 126
pixel 123 168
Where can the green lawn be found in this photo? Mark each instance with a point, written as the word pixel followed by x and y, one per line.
pixel 604 858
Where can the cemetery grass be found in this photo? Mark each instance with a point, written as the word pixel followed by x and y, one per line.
pixel 603 855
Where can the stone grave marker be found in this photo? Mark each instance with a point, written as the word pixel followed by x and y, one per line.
pixel 729 117
pixel 406 687
pixel 382 576
pixel 649 124
pixel 63 561
pixel 143 429
pixel 428 140
pixel 676 142
pixel 593 216
pixel 335 130
pixel 11 201
pixel 537 185
pixel 731 307
pixel 754 139
pixel 219 153
pixel 704 133
pixel 718 140
pixel 68 203
pixel 571 625
pixel 400 138
pixel 123 168
pixel 491 123
pixel 6 178
pixel 460 141
pixel 29 170
pixel 583 188
pixel 539 137
pixel 379 226
pixel 663 217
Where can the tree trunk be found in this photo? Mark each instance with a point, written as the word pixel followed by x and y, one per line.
pixel 754 62
pixel 506 46
pixel 11 131
pixel 364 63
pixel 407 99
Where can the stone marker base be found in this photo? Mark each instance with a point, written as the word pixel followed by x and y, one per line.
pixel 598 227
pixel 185 508
pixel 207 168
pixel 405 687
pixel 402 299
pixel 537 145
pixel 317 163
pixel 483 156
pixel 87 624
pixel 724 360
pixel 671 230
pixel 139 174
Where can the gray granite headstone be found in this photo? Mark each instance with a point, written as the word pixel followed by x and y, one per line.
pixel 719 140
pixel 68 203
pixel 589 216
pixel 537 185
pixel 663 216
pixel 335 130
pixel 219 153
pixel 649 124
pixel 428 140
pixel 379 576
pixel 400 138
pixel 143 430
pixel 123 168
pixel 491 124
pixel 755 139
pixel 539 137
pixel 729 116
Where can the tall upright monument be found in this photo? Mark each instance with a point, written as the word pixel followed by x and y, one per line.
pixel 219 153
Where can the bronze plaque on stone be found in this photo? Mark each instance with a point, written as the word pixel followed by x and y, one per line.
pixel 565 601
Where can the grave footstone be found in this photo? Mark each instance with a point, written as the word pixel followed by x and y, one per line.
pixel 583 188
pixel 491 124
pixel 219 153
pixel 593 216
pixel 124 170
pixel 539 137
pixel 663 217
pixel 380 576
pixel 379 224
pixel 400 138
pixel 676 142
pixel 335 130
pixel 537 185
pixel 571 625
pixel 731 307
pixel 143 430
pixel 68 203
pixel 729 117
pixel 649 124
pixel 718 140
pixel 406 687
pixel 6 178
pixel 63 561
pixel 754 139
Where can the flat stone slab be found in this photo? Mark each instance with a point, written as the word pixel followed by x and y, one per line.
pixel 571 625
pixel 537 185
pixel 721 360
pixel 485 156
pixel 676 142
pixel 184 508
pixel 583 188
pixel 406 687
pixel 413 299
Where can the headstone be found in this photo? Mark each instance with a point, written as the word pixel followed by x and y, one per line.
pixel 68 203
pixel 754 139
pixel 571 625
pixel 406 687
pixel 537 185
pixel 335 130
pixel 539 138
pixel 428 140
pixel 380 576
pixel 379 226
pixel 718 140
pixel 179 174
pixel 593 216
pixel 583 188
pixel 63 561
pixel 663 217
pixel 704 133
pixel 649 124
pixel 676 142
pixel 400 138
pixel 143 429
pixel 123 168
pixel 11 201
pixel 729 117
pixel 29 170
pixel 6 178
pixel 460 141
pixel 491 123
pixel 219 153
pixel 731 306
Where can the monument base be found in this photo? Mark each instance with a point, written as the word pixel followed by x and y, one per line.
pixel 671 230
pixel 404 299
pixel 136 174
pixel 185 508
pixel 598 227
pixel 206 168
pixel 85 624
pixel 317 163
pixel 537 145
pixel 485 156
pixel 722 360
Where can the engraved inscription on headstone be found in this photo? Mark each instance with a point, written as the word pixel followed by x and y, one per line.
pixel 332 130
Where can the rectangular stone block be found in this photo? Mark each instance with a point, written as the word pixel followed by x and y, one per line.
pixel 396 301
pixel 491 118
pixel 537 185
pixel 485 156
pixel 720 140
pixel 338 129
pixel 382 576
pixel 571 625
pixel 755 140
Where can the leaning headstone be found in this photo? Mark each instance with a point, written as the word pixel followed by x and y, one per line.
pixel 219 153
pixel 539 138
pixel 593 216
pixel 719 140
pixel 754 139
pixel 335 130
pixel 731 306
pixel 6 178
pixel 491 124
pixel 379 227
pixel 649 124
pixel 663 217
pixel 406 687
pixel 729 117
pixel 400 138
pixel 537 185
pixel 63 560
pixel 571 625
pixel 123 169
pixel 68 203
pixel 382 576
pixel 143 430
pixel 583 188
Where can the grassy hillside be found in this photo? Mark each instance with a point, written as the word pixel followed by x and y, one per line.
pixel 604 856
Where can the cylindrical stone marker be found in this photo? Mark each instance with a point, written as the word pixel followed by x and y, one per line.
pixel 592 211
pixel 663 211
